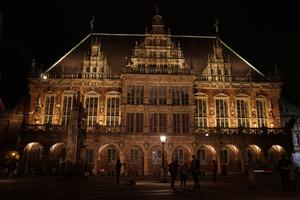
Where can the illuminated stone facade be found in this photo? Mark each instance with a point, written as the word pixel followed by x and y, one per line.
pixel 85 113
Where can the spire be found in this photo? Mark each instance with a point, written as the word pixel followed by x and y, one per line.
pixel 33 66
pixel 216 25
pixel 92 26
pixel 157 22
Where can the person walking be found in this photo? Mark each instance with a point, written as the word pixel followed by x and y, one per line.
pixel 215 169
pixel 195 169
pixel 118 170
pixel 283 170
pixel 183 171
pixel 173 169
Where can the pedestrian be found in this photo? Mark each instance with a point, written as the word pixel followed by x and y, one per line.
pixel 183 171
pixel 173 169
pixel 195 169
pixel 118 170
pixel 214 170
pixel 251 176
pixel 283 170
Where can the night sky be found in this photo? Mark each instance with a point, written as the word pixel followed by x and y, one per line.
pixel 263 33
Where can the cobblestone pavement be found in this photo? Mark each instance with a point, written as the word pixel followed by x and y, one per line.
pixel 104 187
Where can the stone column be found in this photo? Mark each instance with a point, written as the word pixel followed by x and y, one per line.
pixel 146 165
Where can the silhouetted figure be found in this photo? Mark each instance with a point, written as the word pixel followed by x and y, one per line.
pixel 195 169
pixel 214 170
pixel 173 169
pixel 118 170
pixel 183 171
pixel 283 170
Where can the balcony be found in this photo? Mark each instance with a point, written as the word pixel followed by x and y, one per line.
pixel 240 131
pixel 140 70
pixel 232 79
pixel 76 76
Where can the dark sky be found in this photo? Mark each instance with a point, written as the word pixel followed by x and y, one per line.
pixel 264 32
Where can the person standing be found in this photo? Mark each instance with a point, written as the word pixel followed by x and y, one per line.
pixel 215 169
pixel 183 171
pixel 173 169
pixel 195 169
pixel 283 170
pixel 118 170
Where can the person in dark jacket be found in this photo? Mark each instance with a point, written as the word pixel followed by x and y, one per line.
pixel 173 169
pixel 195 169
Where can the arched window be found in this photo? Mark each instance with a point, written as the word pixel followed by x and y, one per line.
pixel 222 116
pixel 261 112
pixel 242 110
pixel 112 114
pixel 67 105
pixel 201 112
pixel 91 107
pixel 49 104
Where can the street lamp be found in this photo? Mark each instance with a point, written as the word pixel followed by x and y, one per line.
pixel 163 141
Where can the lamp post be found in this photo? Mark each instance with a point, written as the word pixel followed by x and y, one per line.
pixel 163 141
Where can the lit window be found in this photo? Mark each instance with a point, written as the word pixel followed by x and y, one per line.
pixel 112 111
pixel 261 113
pixel 242 112
pixel 201 112
pixel 222 117
pixel 91 106
pixel 67 109
pixel 49 104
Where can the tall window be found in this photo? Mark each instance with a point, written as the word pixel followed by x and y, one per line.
pixel 184 96
pixel 242 112
pixel 179 155
pixel 176 95
pixel 135 94
pixel 222 112
pixel 162 95
pixel 135 122
pixel 66 109
pixel 153 95
pixel 111 155
pixel 49 104
pixel 89 156
pixel 201 153
pixel 112 111
pixel 156 157
pixel 134 156
pixel 91 106
pixel 201 112
pixel 139 94
pixel 158 95
pixel 181 122
pixel 261 113
pixel 158 122
pixel 224 157
pixel 130 94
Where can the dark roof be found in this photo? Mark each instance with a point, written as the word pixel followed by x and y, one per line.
pixel 119 46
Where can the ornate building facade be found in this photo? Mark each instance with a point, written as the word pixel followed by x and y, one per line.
pixel 113 96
